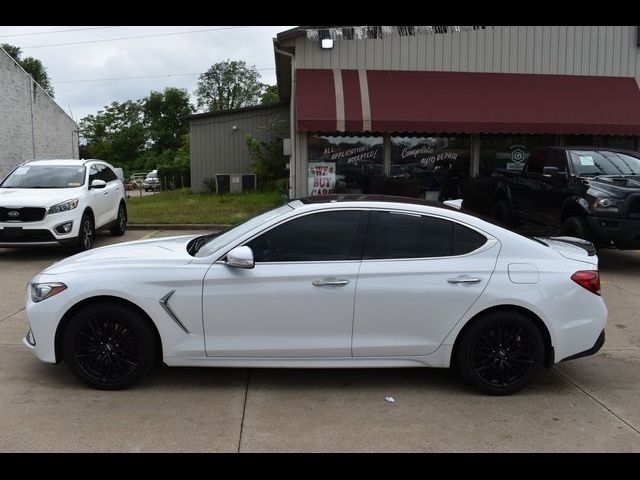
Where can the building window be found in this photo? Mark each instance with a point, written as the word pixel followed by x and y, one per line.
pixel 509 151
pixel 434 164
pixel 609 141
pixel 344 164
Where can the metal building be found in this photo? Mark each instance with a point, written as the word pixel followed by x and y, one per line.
pixel 218 143
pixel 428 106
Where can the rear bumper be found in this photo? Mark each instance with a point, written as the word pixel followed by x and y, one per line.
pixel 623 232
pixel 593 350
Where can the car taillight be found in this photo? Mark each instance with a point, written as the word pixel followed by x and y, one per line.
pixel 589 279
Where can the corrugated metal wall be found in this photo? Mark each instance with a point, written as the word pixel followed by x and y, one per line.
pixel 565 50
pixel 217 148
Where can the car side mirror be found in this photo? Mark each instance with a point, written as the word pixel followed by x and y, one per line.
pixel 552 172
pixel 240 257
pixel 98 184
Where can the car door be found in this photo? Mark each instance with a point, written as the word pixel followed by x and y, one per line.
pixel 99 197
pixel 419 276
pixel 298 299
pixel 530 188
pixel 113 193
pixel 555 188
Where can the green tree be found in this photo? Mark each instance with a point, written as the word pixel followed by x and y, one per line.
pixel 31 65
pixel 116 134
pixel 270 95
pixel 267 159
pixel 228 85
pixel 161 116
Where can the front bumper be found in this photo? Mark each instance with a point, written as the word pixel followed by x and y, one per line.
pixel 43 319
pixel 622 233
pixel 40 233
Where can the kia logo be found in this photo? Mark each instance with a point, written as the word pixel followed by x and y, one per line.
pixel 13 214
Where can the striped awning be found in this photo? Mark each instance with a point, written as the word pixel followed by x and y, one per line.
pixel 465 102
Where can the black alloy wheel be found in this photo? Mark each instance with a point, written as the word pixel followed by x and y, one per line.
pixel 108 347
pixel 501 353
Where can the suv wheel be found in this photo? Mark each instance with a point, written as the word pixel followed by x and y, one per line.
pixel 121 222
pixel 87 234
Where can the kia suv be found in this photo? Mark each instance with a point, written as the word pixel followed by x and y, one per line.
pixel 61 202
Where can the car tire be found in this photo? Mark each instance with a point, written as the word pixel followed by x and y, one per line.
pixel 577 227
pixel 503 213
pixel 500 353
pixel 87 234
pixel 108 346
pixel 120 227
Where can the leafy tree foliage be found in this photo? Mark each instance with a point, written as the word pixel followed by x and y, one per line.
pixel 32 66
pixel 161 117
pixel 228 85
pixel 267 159
pixel 139 135
pixel 270 95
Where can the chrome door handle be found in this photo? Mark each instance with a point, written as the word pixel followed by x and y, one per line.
pixel 464 279
pixel 329 283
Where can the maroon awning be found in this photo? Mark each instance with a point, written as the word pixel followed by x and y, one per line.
pixel 465 102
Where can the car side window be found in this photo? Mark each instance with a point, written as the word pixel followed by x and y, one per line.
pixel 108 175
pixel 397 235
pixel 325 236
pixel 535 163
pixel 93 174
pixel 558 159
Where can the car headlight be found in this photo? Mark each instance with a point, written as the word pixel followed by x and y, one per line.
pixel 42 291
pixel 64 206
pixel 607 204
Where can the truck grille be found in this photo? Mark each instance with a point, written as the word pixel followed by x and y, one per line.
pixel 25 214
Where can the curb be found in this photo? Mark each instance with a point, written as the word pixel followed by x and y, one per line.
pixel 177 226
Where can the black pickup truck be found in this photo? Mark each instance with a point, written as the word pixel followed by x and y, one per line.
pixel 591 193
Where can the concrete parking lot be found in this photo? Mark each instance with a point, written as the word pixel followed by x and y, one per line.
pixel 589 404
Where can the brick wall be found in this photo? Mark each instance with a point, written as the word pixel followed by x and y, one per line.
pixel 56 134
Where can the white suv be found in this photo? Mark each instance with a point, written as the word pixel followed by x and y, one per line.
pixel 49 202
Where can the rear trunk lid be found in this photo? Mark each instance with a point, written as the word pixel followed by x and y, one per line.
pixel 572 248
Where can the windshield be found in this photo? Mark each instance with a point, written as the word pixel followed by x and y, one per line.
pixel 152 175
pixel 45 176
pixel 593 163
pixel 219 241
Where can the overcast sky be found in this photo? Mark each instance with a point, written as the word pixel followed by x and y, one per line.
pixel 179 59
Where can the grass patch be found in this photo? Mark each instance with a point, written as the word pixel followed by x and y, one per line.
pixel 183 206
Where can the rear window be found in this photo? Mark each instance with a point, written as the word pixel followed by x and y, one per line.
pixel 399 235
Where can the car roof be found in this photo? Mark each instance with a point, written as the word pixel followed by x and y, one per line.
pixel 59 161
pixel 590 148
pixel 65 161
pixel 338 198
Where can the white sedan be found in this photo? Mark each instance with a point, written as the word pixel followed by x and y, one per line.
pixel 328 282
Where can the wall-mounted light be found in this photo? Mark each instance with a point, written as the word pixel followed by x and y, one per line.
pixel 234 128
pixel 326 43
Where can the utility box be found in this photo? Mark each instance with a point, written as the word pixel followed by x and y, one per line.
pixel 235 185
pixel 236 182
